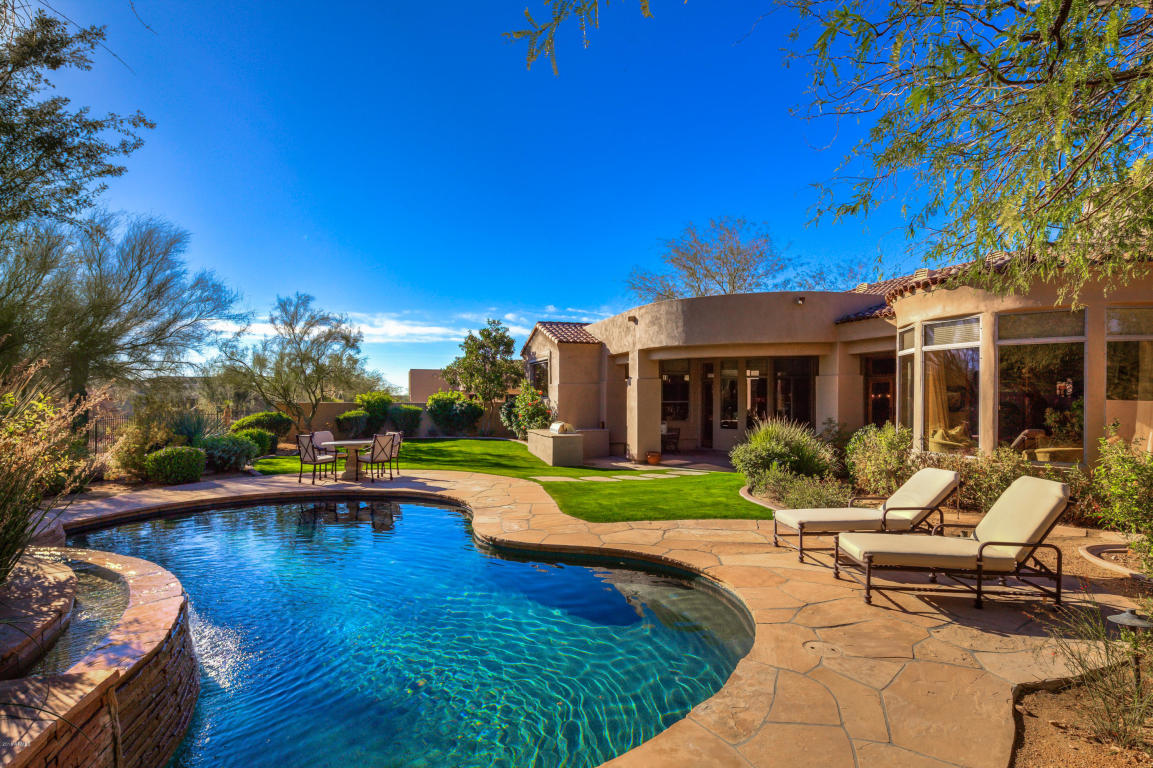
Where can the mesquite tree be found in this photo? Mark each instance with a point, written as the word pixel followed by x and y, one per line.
pixel 1014 128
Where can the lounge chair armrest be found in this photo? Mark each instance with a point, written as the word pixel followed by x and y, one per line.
pixel 939 528
pixel 885 513
pixel 1033 544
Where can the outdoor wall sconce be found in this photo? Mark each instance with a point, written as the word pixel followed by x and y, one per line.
pixel 633 319
pixel 799 300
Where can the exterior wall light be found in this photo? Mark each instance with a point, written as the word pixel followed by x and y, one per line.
pixel 799 300
pixel 633 319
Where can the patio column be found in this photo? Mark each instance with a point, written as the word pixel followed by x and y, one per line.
pixel 644 405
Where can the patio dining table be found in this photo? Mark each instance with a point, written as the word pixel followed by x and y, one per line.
pixel 351 455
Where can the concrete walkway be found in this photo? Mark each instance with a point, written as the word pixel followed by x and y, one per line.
pixel 922 682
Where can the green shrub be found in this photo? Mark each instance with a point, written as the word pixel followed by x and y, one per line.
pixel 453 413
pixel 793 491
pixel 175 464
pixel 353 423
pixel 274 421
pixel 508 416
pixel 193 426
pixel 877 458
pixel 784 444
pixel 132 446
pixel 528 410
pixel 265 440
pixel 376 406
pixel 1123 482
pixel 405 418
pixel 228 452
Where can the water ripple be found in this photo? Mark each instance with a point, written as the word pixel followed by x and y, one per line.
pixel 376 634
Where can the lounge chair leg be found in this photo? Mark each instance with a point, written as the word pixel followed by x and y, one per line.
pixel 868 580
pixel 932 577
pixel 1057 586
pixel 837 556
pixel 801 542
pixel 776 539
pixel 979 602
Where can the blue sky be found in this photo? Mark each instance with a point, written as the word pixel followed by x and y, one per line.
pixel 397 160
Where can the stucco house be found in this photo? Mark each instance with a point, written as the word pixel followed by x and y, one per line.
pixel 965 368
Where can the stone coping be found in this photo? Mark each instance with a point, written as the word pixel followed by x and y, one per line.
pixel 35 607
pixel 913 680
pixel 30 731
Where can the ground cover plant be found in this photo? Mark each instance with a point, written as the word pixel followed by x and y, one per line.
pixel 712 495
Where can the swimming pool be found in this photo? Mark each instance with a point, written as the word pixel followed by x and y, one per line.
pixel 373 633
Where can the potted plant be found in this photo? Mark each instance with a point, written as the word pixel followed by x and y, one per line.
pixel 653 457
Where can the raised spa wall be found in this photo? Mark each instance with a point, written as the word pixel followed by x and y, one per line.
pixel 128 702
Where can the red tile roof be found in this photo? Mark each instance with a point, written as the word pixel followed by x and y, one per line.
pixel 566 332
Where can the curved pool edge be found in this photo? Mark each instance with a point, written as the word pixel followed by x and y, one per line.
pixel 125 703
pixel 829 680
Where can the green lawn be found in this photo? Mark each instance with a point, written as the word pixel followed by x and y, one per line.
pixel 675 498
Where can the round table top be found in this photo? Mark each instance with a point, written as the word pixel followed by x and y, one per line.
pixel 338 443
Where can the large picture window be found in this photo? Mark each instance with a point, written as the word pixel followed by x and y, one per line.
pixel 729 397
pixel 951 381
pixel 906 360
pixel 675 390
pixel 756 390
pixel 1041 385
pixel 1129 377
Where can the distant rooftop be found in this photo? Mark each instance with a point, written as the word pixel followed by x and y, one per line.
pixel 566 332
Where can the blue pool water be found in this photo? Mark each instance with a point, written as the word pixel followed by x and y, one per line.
pixel 377 634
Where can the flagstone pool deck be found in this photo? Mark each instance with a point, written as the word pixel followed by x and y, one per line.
pixel 915 681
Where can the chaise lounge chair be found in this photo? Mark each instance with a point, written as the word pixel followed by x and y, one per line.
pixel 1003 544
pixel 906 510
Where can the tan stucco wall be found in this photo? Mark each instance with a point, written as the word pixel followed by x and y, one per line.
pixel 735 327
pixel 576 384
pixel 423 382
pixel 941 303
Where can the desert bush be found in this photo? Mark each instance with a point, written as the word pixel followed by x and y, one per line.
pixel 877 458
pixel 353 423
pixel 228 453
pixel 133 444
pixel 1118 705
pixel 265 440
pixel 190 427
pixel 41 462
pixel 784 444
pixel 376 406
pixel 793 491
pixel 453 413
pixel 405 418
pixel 274 421
pixel 175 464
pixel 1123 484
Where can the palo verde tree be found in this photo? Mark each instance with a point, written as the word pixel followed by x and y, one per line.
pixel 124 306
pixel 54 159
pixel 308 356
pixel 486 368
pixel 1021 128
pixel 732 256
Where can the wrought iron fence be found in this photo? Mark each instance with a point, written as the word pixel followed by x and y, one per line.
pixel 105 428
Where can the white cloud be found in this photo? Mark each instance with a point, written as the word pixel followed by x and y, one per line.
pixel 386 328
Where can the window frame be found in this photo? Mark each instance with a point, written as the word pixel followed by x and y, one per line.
pixel 1083 340
pixel 910 352
pixel 919 368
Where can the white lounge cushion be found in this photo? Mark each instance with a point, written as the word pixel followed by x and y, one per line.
pixel 944 552
pixel 836 520
pixel 1024 512
pixel 924 490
